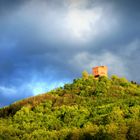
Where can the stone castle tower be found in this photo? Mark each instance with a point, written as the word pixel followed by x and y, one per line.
pixel 100 71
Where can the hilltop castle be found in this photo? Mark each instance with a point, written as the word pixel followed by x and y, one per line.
pixel 100 71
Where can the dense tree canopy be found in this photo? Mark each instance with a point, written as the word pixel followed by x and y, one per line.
pixel 87 109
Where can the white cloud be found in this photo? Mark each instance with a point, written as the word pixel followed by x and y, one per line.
pixel 7 90
pixel 86 61
pixel 78 22
pixel 90 24
pixel 71 24
pixel 77 3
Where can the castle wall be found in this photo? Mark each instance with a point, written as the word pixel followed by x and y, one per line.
pixel 100 71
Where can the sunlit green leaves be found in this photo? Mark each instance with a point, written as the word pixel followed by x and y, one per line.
pixel 88 108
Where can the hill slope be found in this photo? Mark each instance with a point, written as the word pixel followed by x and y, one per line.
pixel 86 109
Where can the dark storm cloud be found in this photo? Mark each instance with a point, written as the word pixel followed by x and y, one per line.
pixel 46 43
pixel 7 6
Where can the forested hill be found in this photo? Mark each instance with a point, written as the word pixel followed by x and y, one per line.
pixel 87 109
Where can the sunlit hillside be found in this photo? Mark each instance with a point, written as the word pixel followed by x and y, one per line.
pixel 87 109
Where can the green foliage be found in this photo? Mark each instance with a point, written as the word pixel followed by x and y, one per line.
pixel 134 131
pixel 85 75
pixel 87 109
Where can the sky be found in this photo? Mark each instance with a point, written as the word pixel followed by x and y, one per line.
pixel 47 43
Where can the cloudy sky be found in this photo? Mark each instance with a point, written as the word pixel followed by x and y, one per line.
pixel 46 43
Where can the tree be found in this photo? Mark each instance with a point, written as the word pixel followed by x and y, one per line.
pixel 85 75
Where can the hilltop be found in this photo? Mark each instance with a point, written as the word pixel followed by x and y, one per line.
pixel 87 109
